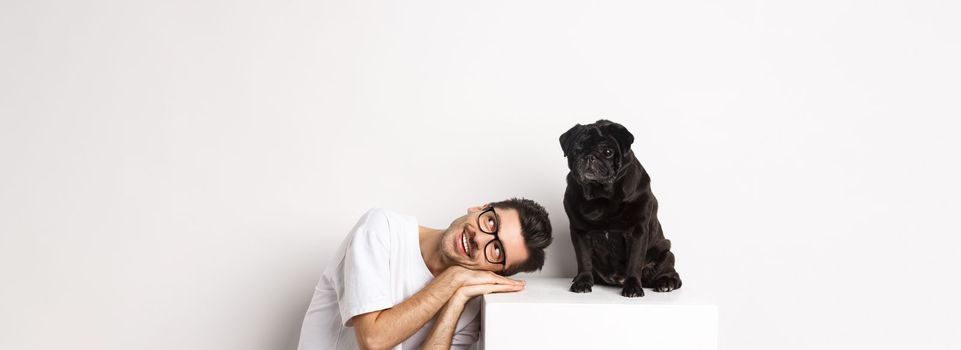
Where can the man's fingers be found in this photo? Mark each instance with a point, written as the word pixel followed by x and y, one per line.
pixel 481 289
pixel 496 288
pixel 500 288
pixel 505 280
pixel 487 277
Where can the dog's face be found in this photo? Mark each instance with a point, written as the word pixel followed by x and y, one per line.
pixel 595 152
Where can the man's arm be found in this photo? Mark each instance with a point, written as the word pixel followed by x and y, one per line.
pixel 443 332
pixel 386 328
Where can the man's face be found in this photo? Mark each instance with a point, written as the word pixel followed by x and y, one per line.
pixel 469 232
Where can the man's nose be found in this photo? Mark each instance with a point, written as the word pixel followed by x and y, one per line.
pixel 481 238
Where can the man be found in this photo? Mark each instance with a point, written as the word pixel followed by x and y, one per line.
pixel 395 284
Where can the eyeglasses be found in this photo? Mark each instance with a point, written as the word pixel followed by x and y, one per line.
pixel 489 222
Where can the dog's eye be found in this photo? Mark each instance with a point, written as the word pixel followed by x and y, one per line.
pixel 608 152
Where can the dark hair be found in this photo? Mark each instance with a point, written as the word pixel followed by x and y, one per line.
pixel 536 230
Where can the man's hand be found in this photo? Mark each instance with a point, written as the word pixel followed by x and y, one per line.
pixel 465 293
pixel 468 277
pixel 476 282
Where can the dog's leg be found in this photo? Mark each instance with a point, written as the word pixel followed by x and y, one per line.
pixel 637 252
pixel 583 249
pixel 661 275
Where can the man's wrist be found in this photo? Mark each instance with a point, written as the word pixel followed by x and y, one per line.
pixel 458 300
pixel 457 276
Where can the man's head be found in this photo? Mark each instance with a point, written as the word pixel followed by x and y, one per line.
pixel 505 237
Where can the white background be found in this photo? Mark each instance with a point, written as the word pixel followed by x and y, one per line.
pixel 176 174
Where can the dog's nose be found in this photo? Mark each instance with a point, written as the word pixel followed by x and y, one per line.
pixel 591 158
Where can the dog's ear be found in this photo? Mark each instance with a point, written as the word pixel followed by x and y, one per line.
pixel 624 138
pixel 567 139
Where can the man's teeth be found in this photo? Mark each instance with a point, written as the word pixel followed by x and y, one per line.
pixel 463 242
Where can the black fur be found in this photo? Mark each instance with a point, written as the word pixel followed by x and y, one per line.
pixel 613 213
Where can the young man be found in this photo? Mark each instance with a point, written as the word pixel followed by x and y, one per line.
pixel 394 284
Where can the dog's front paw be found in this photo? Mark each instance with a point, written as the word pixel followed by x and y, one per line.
pixel 632 288
pixel 582 283
pixel 667 283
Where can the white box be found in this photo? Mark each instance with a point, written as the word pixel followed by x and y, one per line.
pixel 545 315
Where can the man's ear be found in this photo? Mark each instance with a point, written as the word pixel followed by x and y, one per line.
pixel 567 138
pixel 624 138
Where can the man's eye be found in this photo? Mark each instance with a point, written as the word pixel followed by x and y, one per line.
pixel 490 223
pixel 497 251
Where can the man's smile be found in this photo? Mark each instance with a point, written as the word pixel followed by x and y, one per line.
pixel 464 242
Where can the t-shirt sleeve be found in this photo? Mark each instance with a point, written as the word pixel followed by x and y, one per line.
pixel 465 337
pixel 366 284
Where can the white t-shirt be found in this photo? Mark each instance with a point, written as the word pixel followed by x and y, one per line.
pixel 377 266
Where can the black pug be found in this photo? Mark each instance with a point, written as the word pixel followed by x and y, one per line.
pixel 617 237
